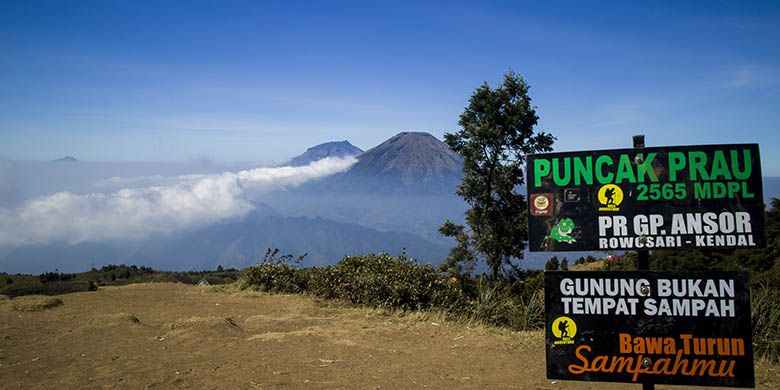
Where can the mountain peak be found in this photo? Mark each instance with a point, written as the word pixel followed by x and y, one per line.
pixel 66 159
pixel 414 134
pixel 410 161
pixel 328 149
pixel 417 156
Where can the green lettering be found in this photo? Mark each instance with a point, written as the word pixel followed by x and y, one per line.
pixel 698 161
pixel 600 175
pixel 745 193
pixel 566 178
pixel 646 168
pixel 541 169
pixel 702 190
pixel 676 163
pixel 743 174
pixel 718 190
pixel 733 187
pixel 719 166
pixel 625 170
pixel 583 170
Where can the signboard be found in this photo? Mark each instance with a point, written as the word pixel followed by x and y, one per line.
pixel 707 197
pixel 683 328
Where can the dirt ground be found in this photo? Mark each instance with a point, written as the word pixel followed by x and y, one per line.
pixel 180 336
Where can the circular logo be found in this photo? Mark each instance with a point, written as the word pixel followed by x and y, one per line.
pixel 564 327
pixel 610 195
pixel 541 202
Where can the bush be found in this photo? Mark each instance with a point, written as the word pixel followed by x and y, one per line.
pixel 528 313
pixel 766 323
pixel 275 277
pixel 400 283
pixel 493 304
pixel 386 281
pixel 509 304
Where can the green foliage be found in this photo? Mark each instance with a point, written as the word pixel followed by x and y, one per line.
pixel 385 281
pixel 462 258
pixel 765 303
pixel 277 274
pixel 492 305
pixel 625 262
pixel 528 313
pixel 552 264
pixel 401 283
pixel 54 283
pixel 275 277
pixel 496 132
pixel 517 304
pixel 374 280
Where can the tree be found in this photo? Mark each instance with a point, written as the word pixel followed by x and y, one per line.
pixel 462 258
pixel 552 264
pixel 564 264
pixel 496 132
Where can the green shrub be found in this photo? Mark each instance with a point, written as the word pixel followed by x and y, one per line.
pixel 275 277
pixel 400 283
pixel 386 281
pixel 508 304
pixel 493 304
pixel 528 313
pixel 766 323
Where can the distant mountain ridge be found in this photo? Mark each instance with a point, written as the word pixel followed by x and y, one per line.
pixel 414 156
pixel 409 162
pixel 406 183
pixel 66 159
pixel 328 149
pixel 237 243
pixel 394 197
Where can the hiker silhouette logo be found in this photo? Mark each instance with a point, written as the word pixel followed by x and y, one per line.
pixel 564 329
pixel 610 196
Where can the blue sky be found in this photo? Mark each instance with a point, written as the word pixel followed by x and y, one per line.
pixel 262 81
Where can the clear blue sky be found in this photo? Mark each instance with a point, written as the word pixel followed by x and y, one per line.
pixel 261 81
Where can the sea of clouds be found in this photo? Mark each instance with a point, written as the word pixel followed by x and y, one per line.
pixel 139 207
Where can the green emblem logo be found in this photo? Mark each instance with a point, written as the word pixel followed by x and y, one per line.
pixel 562 230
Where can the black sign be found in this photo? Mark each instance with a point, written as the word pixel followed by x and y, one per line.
pixel 684 328
pixel 706 196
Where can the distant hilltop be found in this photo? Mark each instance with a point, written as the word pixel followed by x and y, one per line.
pixel 409 162
pixel 412 157
pixel 328 149
pixel 66 159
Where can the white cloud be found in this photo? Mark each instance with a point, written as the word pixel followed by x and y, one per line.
pixel 163 206
pixel 749 76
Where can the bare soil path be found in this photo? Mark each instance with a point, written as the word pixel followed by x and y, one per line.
pixel 180 336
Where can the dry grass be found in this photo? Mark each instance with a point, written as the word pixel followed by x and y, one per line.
pixel 33 303
pixel 178 336
pixel 593 266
